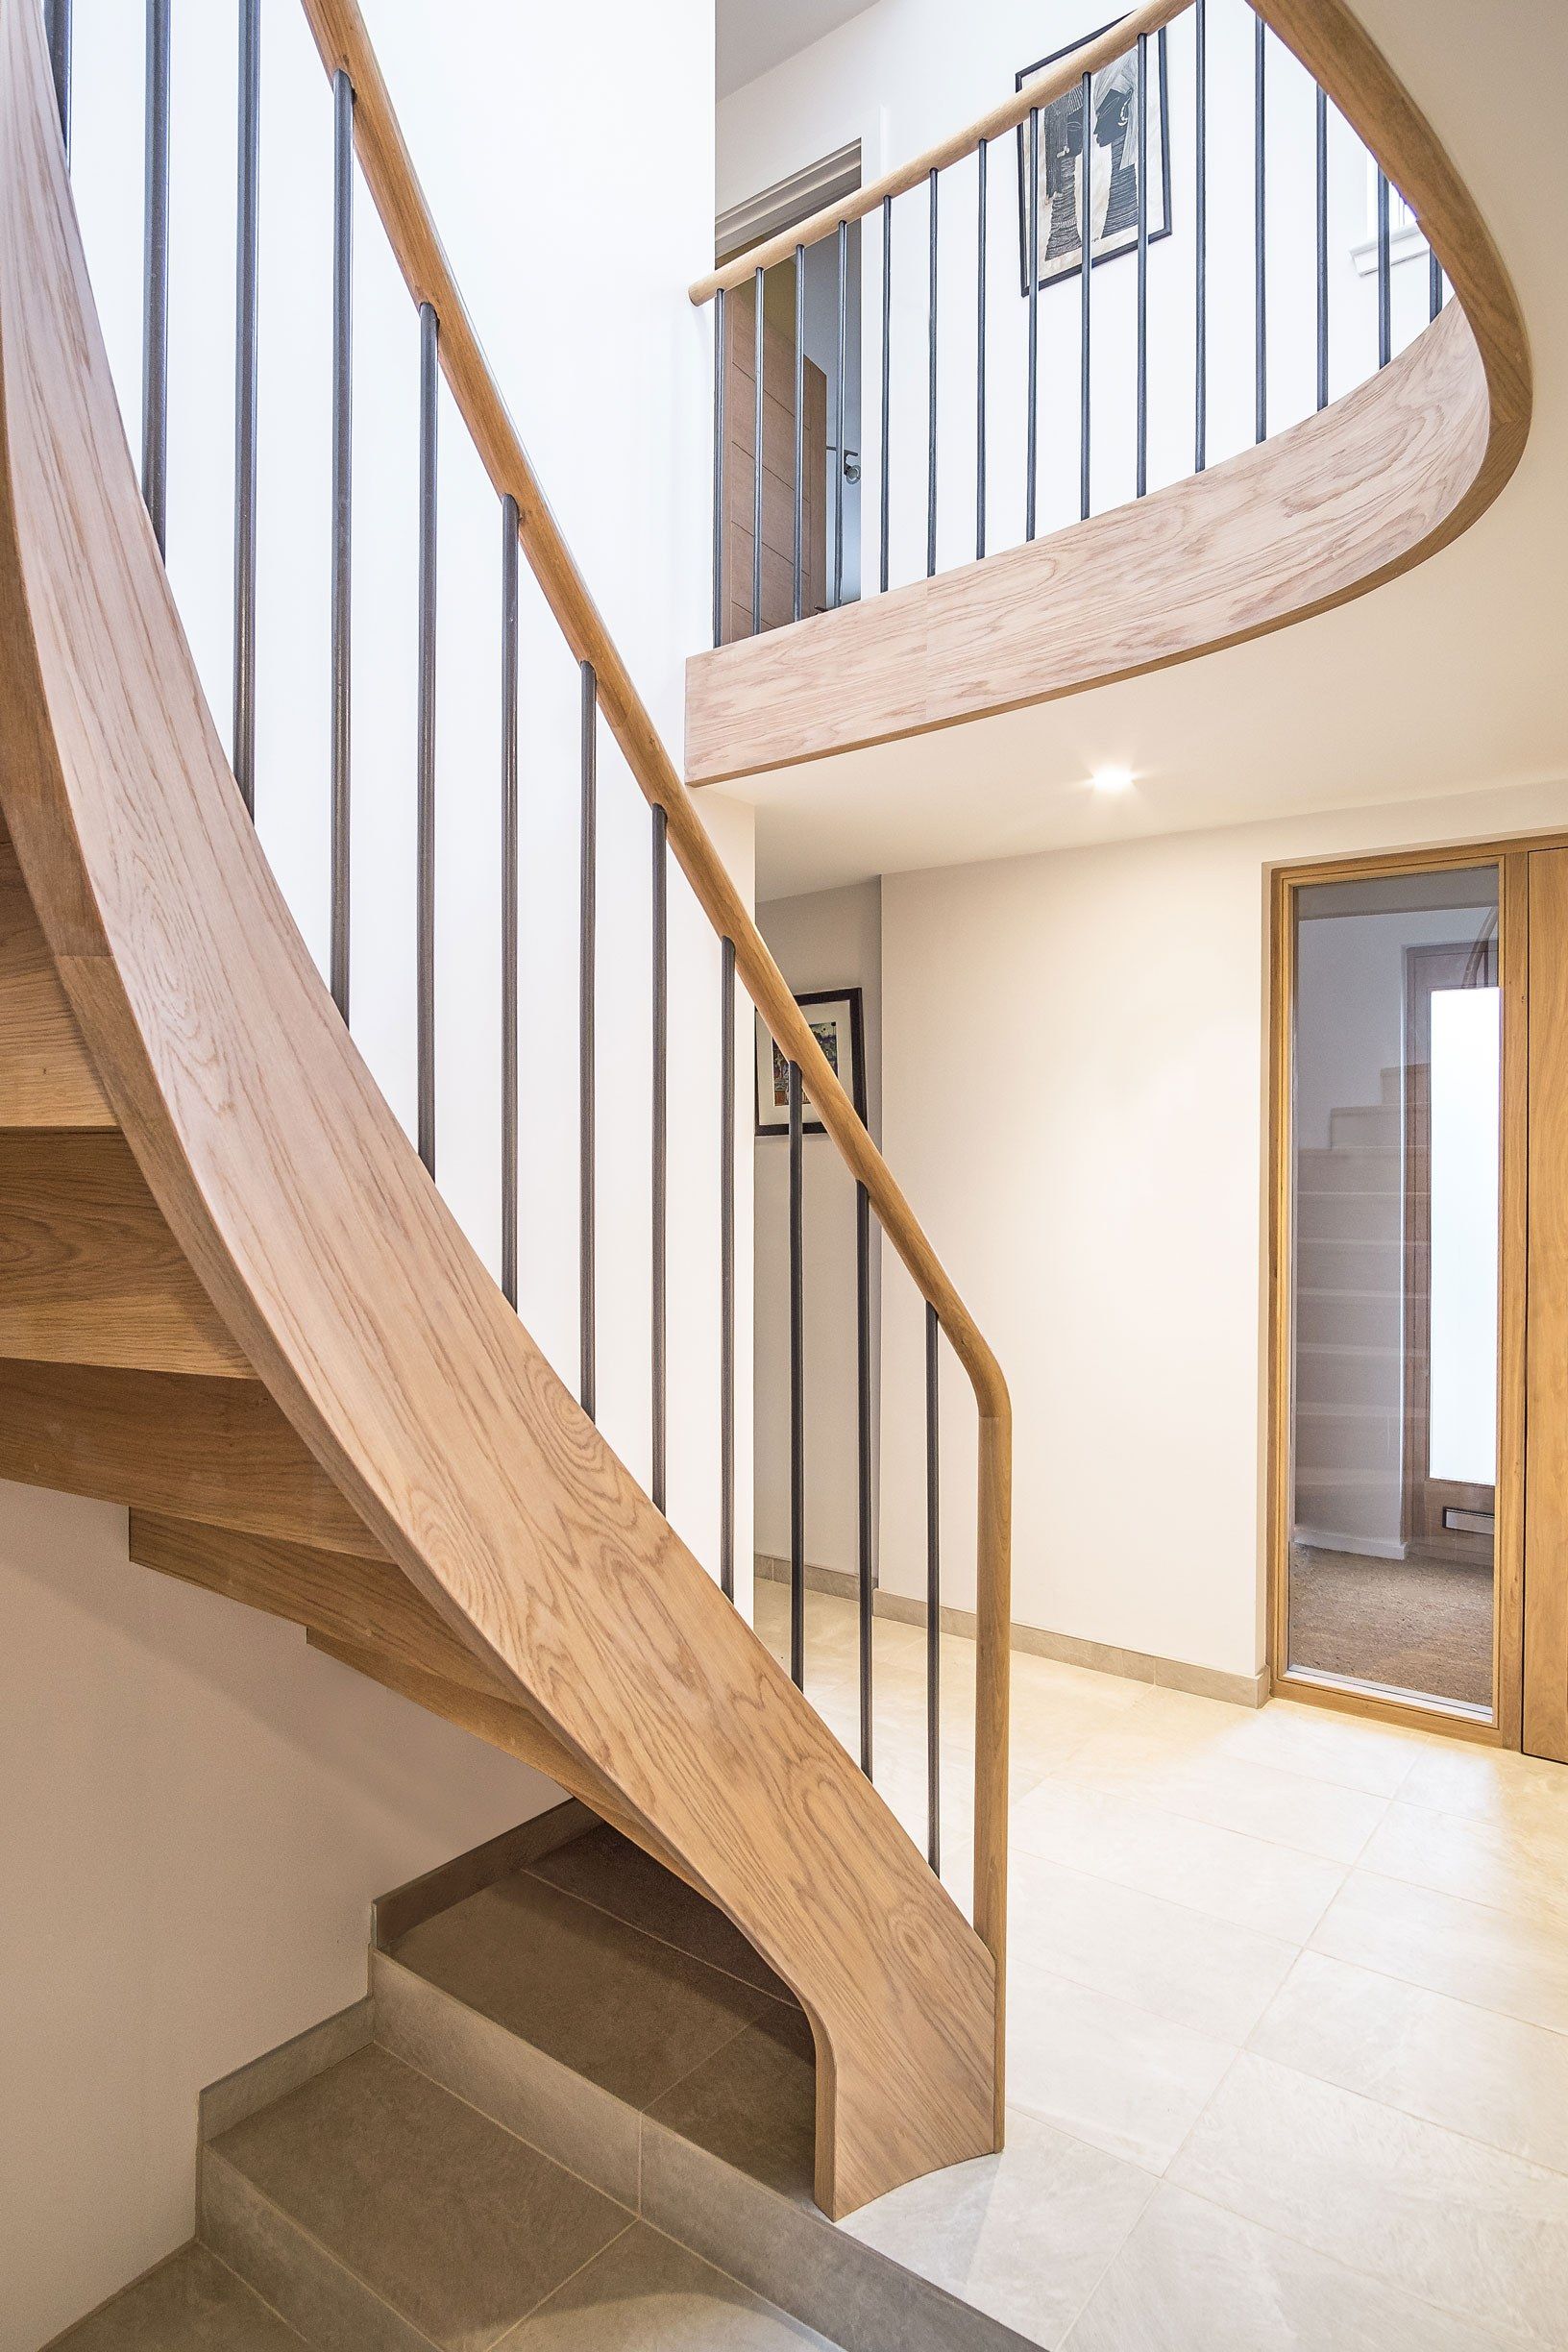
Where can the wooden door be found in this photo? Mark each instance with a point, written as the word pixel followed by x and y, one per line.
pixel 1546 1354
pixel 777 472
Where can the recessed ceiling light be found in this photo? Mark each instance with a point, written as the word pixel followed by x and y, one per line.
pixel 1111 779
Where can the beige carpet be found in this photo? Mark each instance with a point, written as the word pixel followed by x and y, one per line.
pixel 1416 1625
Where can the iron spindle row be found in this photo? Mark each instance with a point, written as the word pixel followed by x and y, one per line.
pixel 342 518
pixel 246 228
pixel 863 1417
pixel 798 1387
pixel 509 861
pixel 155 317
pixel 587 992
pixel 429 339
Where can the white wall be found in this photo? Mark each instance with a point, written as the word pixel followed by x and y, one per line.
pixel 904 73
pixel 829 940
pixel 197 1811
pixel 1074 1091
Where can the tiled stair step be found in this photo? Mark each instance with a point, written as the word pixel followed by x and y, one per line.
pixel 1373 1268
pixel 381 2213
pixel 1337 1438
pixel 1349 1376
pixel 1348 1318
pixel 597 2008
pixel 1381 1124
pixel 190 2303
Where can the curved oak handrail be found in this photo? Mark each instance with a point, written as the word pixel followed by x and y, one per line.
pixel 1374 484
pixel 1053 83
pixel 348 1286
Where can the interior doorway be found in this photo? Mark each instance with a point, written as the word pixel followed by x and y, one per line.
pixel 1401 1263
pixel 806 493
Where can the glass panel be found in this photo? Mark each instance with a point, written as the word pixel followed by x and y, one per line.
pixel 1394 1220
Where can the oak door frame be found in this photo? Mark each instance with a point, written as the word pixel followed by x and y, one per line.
pixel 1511 859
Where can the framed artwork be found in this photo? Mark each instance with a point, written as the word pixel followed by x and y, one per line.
pixel 837 1025
pixel 1113 173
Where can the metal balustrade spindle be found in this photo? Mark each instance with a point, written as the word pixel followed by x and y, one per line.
pixel 1386 275
pixel 797 1386
pixel 659 1294
pixel 931 396
pixel 1085 192
pixel 56 16
pixel 933 1598
pixel 430 337
pixel 726 1269
pixel 155 307
pixel 1434 286
pixel 759 358
pixel 719 467
pixel 1143 362
pixel 1259 226
pixel 587 995
pixel 840 394
pixel 509 814
pixel 343 520
pixel 1031 440
pixel 798 574
pixel 886 507
pixel 863 1402
pixel 1322 196
pixel 248 214
pixel 1200 281
pixel 981 223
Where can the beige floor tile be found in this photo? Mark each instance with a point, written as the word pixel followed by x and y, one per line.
pixel 1024 2234
pixel 1492 1958
pixel 1489 1784
pixel 1245 1879
pixel 647 2295
pixel 1195 2278
pixel 1185 1965
pixel 190 2303
pixel 1434 2212
pixel 1506 1864
pixel 1318 1817
pixel 1105 2069
pixel 1345 1749
pixel 1469 2069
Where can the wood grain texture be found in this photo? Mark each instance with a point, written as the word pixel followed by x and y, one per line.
pixel 307 1217
pixel 1056 80
pixel 1546 1407
pixel 47 1078
pixel 90 1272
pixel 217 1449
pixel 1337 506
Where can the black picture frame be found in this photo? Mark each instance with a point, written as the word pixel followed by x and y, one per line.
pixel 1062 114
pixel 852 999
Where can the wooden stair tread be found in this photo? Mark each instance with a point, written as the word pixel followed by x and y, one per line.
pixel 46 1074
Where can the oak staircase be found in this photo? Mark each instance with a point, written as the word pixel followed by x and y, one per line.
pixel 234 1300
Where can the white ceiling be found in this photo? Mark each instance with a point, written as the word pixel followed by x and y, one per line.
pixel 1454 677
pixel 754 34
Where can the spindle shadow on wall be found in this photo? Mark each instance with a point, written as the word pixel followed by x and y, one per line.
pixel 465 801
pixel 1251 265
